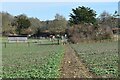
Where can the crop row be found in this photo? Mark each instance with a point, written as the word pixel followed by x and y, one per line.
pixel 100 58
pixel 36 61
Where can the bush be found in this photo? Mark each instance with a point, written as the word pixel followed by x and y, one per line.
pixel 87 32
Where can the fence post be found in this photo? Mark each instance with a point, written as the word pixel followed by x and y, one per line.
pixel 58 42
pixel 28 44
pixel 58 37
pixel 5 44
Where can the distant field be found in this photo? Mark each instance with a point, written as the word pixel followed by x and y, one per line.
pixel 35 60
pixel 100 58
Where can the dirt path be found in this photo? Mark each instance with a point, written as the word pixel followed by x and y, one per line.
pixel 72 67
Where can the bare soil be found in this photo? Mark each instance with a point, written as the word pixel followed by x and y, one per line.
pixel 72 67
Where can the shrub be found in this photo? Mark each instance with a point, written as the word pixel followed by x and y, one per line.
pixel 86 32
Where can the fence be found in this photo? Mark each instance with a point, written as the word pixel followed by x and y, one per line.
pixel 17 38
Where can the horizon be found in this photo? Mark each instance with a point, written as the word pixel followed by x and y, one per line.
pixel 42 12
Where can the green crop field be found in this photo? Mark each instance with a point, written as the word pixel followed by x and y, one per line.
pixel 100 58
pixel 23 61
pixel 42 58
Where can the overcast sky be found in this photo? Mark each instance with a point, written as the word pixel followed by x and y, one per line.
pixel 47 10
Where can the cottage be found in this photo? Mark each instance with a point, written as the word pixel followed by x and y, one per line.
pixel 20 38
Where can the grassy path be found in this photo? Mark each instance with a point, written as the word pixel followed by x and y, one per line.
pixel 72 67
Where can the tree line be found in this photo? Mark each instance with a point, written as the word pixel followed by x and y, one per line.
pixel 82 24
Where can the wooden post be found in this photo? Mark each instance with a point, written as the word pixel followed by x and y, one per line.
pixel 28 44
pixel 58 37
pixel 5 44
pixel 58 41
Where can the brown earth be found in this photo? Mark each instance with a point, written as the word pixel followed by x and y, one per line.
pixel 72 67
